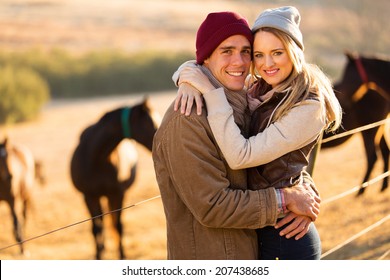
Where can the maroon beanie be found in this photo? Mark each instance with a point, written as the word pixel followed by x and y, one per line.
pixel 216 28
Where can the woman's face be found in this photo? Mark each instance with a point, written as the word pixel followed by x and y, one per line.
pixel 270 58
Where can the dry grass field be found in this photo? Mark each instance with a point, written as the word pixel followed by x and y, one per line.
pixel 53 137
pixel 80 26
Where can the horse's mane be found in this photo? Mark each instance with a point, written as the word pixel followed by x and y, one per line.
pixel 92 128
pixel 107 116
pixel 377 56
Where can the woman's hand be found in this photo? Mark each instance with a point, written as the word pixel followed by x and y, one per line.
pixel 298 228
pixel 185 98
pixel 192 83
pixel 196 78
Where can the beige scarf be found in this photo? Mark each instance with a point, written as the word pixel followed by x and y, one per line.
pixel 236 99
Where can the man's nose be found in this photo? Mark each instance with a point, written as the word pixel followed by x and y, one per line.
pixel 238 59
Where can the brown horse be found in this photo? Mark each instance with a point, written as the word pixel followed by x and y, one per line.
pixel 364 95
pixel 17 175
pixel 104 163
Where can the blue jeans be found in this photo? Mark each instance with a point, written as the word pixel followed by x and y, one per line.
pixel 273 246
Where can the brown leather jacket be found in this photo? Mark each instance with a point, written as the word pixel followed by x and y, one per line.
pixel 285 170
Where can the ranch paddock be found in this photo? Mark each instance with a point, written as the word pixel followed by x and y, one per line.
pixel 53 137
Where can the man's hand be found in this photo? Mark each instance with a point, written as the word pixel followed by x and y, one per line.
pixel 302 200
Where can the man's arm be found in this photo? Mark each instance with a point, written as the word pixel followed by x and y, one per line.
pixel 297 200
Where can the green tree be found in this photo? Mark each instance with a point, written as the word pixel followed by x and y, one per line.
pixel 23 92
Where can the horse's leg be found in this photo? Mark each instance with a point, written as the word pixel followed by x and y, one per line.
pixel 115 202
pixel 25 206
pixel 16 224
pixel 385 155
pixel 371 156
pixel 94 208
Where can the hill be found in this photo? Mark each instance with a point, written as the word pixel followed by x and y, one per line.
pixel 329 26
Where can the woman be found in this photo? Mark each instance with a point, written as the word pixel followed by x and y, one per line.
pixel 291 102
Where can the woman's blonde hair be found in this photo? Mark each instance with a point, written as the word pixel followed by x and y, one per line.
pixel 305 79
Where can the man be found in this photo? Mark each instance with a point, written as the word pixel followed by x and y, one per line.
pixel 210 212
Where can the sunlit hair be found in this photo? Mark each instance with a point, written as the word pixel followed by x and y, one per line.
pixel 304 79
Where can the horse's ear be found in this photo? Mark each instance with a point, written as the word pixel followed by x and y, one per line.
pixel 351 55
pixel 145 102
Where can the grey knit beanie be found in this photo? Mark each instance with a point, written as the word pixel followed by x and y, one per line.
pixel 285 19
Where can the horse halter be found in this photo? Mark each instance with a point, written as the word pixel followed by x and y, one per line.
pixel 361 70
pixel 125 122
pixel 366 85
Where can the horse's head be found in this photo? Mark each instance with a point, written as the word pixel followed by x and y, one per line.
pixel 351 79
pixel 377 69
pixel 5 174
pixel 361 69
pixel 144 122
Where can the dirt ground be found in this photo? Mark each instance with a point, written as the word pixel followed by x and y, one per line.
pixel 53 137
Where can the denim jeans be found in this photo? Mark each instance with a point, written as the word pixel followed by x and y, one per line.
pixel 273 246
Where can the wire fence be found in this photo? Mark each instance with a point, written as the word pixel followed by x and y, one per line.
pixel 356 130
pixel 80 222
pixel 356 188
pixel 354 237
pixel 326 201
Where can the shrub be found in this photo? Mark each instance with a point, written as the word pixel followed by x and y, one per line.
pixel 97 73
pixel 22 93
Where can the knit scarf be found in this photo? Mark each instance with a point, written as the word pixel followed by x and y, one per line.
pixel 236 99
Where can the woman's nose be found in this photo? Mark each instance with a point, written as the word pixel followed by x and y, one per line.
pixel 269 61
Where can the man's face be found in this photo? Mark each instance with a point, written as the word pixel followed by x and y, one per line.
pixel 230 62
